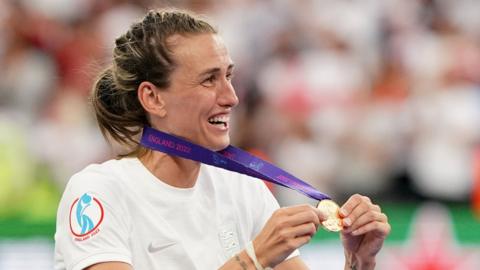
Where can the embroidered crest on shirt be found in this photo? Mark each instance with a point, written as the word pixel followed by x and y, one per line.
pixel 86 215
pixel 229 240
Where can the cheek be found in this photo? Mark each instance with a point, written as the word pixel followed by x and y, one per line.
pixel 200 103
pixel 195 104
pixel 183 104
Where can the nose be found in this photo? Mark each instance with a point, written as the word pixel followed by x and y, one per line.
pixel 227 97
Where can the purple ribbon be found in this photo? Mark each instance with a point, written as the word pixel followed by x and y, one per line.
pixel 230 158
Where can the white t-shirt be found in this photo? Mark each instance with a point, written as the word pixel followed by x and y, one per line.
pixel 119 211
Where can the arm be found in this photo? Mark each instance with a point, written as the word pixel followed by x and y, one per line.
pixel 240 261
pixel 110 266
pixel 294 263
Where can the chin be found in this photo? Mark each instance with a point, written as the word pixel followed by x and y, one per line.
pixel 220 145
pixel 217 148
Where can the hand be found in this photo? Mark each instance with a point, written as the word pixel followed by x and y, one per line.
pixel 287 229
pixel 365 229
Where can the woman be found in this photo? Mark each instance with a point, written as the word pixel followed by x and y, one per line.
pixel 151 210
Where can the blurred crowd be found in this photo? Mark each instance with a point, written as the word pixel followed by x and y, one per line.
pixel 380 97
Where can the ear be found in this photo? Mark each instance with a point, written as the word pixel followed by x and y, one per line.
pixel 151 99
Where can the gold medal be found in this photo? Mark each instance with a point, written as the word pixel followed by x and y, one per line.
pixel 333 222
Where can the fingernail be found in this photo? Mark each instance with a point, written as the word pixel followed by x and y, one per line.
pixel 347 221
pixel 343 212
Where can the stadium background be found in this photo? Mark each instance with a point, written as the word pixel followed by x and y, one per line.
pixel 379 97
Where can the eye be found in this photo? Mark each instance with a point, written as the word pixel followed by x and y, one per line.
pixel 209 80
pixel 229 76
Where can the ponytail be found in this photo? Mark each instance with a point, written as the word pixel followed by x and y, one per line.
pixel 119 114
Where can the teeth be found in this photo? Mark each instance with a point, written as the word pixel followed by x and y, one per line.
pixel 219 119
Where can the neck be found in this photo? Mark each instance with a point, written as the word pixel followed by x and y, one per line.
pixel 174 171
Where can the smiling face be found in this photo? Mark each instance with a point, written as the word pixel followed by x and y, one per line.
pixel 200 97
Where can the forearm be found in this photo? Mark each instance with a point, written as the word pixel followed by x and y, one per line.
pixel 352 262
pixel 240 261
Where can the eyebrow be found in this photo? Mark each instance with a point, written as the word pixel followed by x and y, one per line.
pixel 216 70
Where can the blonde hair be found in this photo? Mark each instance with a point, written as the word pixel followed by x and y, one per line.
pixel 141 54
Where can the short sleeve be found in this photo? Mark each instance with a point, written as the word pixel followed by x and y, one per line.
pixel 92 222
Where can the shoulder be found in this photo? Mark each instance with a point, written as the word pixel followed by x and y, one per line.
pixel 93 218
pixel 100 181
pixel 98 176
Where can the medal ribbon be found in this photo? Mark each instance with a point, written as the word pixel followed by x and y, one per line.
pixel 230 158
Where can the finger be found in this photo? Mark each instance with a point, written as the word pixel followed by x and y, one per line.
pixel 359 211
pixel 358 206
pixel 366 218
pixel 381 229
pixel 352 203
pixel 292 210
pixel 310 216
pixel 356 212
pixel 298 242
pixel 308 229
pixel 289 233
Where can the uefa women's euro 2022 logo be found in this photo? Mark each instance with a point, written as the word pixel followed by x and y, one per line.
pixel 86 215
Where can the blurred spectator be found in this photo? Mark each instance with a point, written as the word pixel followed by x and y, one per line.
pixel 351 96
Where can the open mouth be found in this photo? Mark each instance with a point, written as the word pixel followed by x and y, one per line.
pixel 220 121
